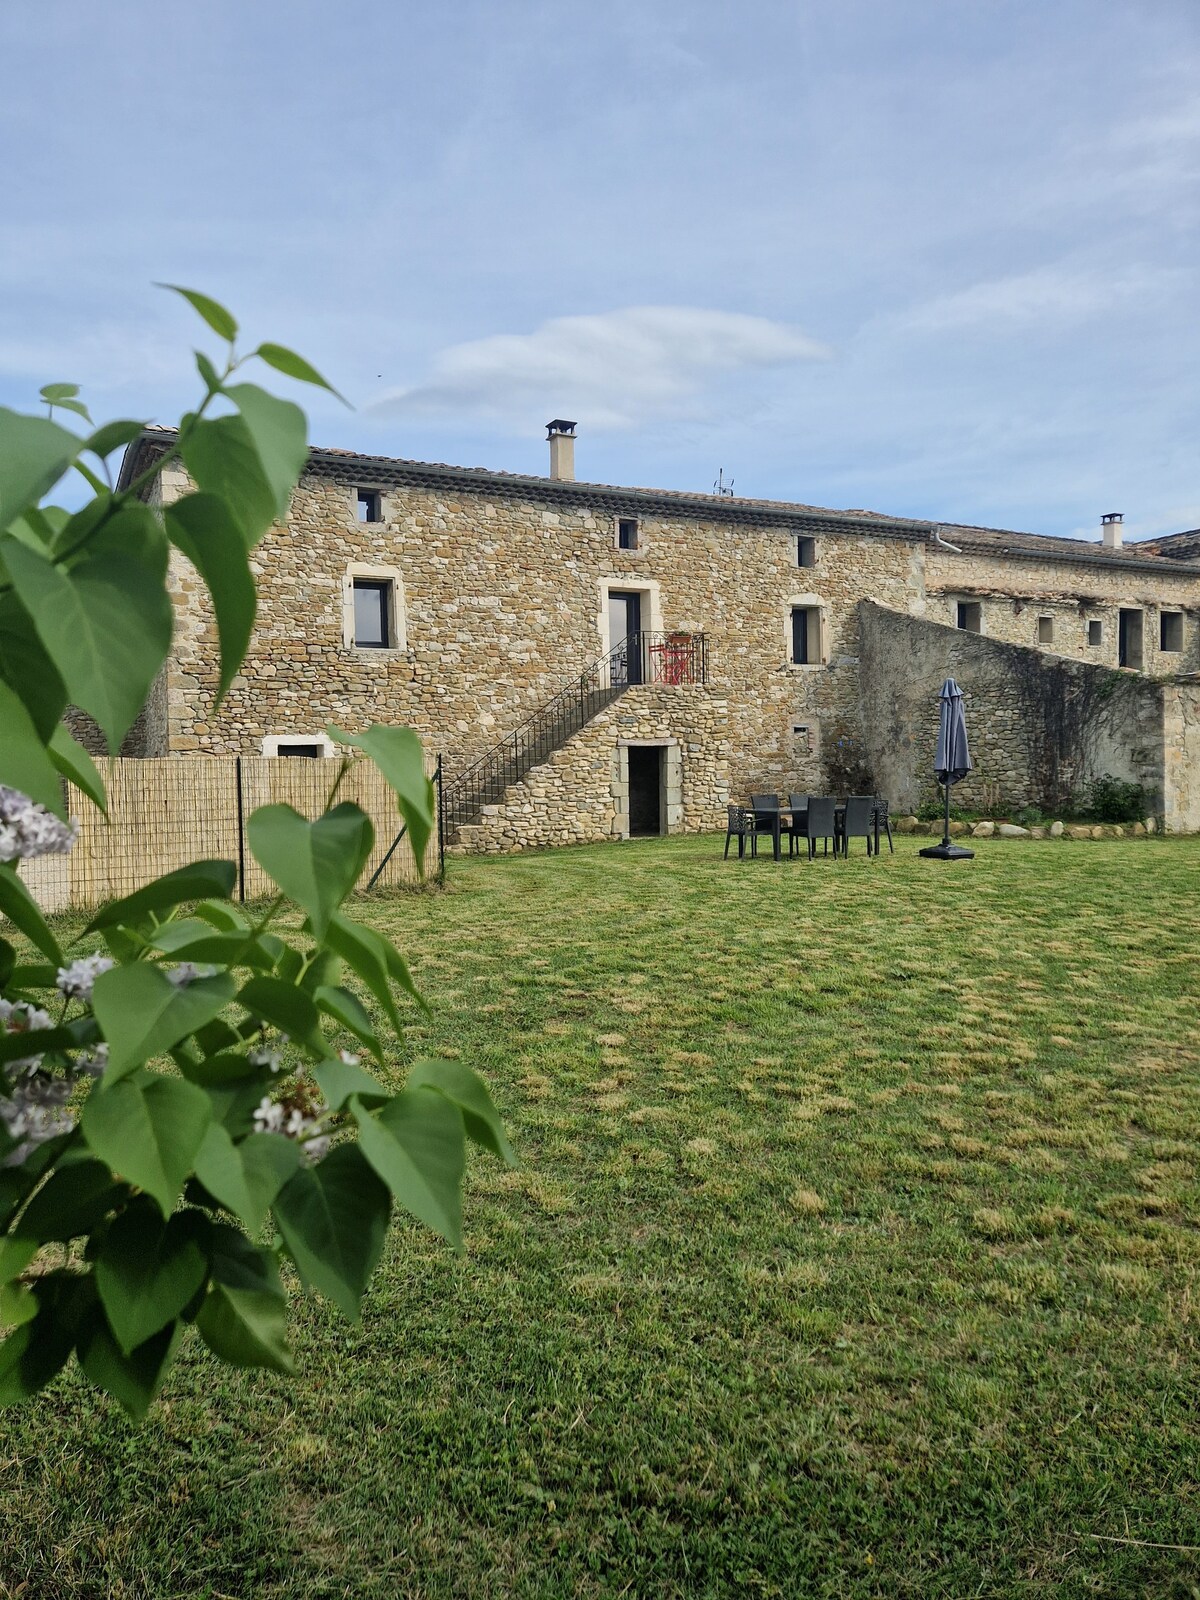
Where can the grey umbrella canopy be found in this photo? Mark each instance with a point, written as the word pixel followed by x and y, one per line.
pixel 952 760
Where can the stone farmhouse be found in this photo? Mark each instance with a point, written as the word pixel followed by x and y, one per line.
pixel 592 661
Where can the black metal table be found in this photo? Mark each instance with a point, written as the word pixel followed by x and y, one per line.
pixel 839 818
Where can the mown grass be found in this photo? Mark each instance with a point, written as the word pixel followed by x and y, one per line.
pixel 853 1253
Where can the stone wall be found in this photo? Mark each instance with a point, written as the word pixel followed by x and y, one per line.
pixel 1011 699
pixel 1181 757
pixel 581 794
pixel 1014 593
pixel 503 602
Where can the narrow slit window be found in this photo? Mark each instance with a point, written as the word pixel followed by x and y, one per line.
pixel 969 616
pixel 372 614
pixel 1095 631
pixel 627 533
pixel 368 505
pixel 1045 630
pixel 1170 630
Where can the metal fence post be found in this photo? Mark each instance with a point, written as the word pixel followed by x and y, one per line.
pixel 441 823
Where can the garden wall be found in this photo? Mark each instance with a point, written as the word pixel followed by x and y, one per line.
pixel 1039 726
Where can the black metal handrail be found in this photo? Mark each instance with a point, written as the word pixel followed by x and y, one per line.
pixel 657 657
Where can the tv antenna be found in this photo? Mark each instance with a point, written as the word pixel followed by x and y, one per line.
pixel 720 486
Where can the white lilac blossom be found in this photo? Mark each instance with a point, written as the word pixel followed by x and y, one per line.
pixel 18 1016
pixel 292 1123
pixel 93 1062
pixel 264 1056
pixel 348 1056
pixel 33 1113
pixel 187 972
pixel 76 981
pixel 28 829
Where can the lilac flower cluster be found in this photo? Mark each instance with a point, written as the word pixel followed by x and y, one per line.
pixel 18 1016
pixel 28 829
pixel 271 1117
pixel 76 980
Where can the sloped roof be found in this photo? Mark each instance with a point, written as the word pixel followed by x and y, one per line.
pixel 368 471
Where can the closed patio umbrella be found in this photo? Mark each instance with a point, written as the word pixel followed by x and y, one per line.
pixel 951 762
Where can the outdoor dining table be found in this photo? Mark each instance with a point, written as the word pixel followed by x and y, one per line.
pixel 839 817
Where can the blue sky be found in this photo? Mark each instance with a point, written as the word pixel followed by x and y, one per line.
pixel 936 258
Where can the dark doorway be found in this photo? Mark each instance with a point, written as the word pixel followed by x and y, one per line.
pixel 645 791
pixel 1129 639
pixel 625 635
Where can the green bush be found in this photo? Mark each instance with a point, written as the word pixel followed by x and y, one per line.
pixel 1111 799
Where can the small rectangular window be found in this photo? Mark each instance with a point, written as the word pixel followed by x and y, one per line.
pixel 806 635
pixel 372 614
pixel 1095 631
pixel 1045 630
pixel 1170 630
pixel 627 533
pixel 970 616
pixel 806 552
pixel 368 505
pixel 298 747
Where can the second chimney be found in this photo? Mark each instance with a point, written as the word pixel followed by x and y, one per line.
pixel 1112 529
pixel 561 435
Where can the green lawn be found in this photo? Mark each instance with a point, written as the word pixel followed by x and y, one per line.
pixel 853 1253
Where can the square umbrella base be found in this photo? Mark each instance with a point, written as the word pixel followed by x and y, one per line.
pixel 948 852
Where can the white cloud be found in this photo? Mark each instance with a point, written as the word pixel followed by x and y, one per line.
pixel 612 370
pixel 1058 294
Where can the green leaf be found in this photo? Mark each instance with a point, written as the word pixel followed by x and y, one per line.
pixel 244 1316
pixel 287 1007
pixel 112 436
pixel 106 623
pixel 220 455
pixel 34 1354
pixel 15 1046
pixel 142 1013
pixel 148 1271
pixel 73 761
pixel 28 670
pixel 34 454
pixel 280 433
pixel 15 1256
pixel 338 1080
pixel 232 949
pixel 209 373
pixel 225 918
pixel 467 1091
pixel 55 393
pixel 204 528
pixel 20 907
pixel 362 949
pixel 316 864
pixel 415 1144
pixel 133 1379
pixel 8 965
pixel 148 1132
pixel 72 1201
pixel 398 754
pixel 17 1305
pixel 333 1218
pixel 24 764
pixel 294 366
pixel 76 406
pixel 345 1007
pixel 219 1168
pixel 215 314
pixel 269 1161
pixel 17 1183
pixel 199 880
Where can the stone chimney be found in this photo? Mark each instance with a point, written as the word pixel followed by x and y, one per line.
pixel 561 435
pixel 1111 529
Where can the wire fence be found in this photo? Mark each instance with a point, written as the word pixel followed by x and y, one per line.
pixel 163 814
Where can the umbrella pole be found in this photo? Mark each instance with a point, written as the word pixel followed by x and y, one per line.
pixel 945 851
pixel 946 831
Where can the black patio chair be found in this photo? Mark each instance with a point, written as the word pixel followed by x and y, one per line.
pixel 766 813
pixel 820 822
pixel 741 827
pixel 797 805
pixel 881 817
pixel 858 821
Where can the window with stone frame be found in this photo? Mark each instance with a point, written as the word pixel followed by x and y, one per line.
pixel 806 552
pixel 374 609
pixel 1170 631
pixel 806 640
pixel 1045 630
pixel 968 616
pixel 1095 631
pixel 368 504
pixel 628 534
